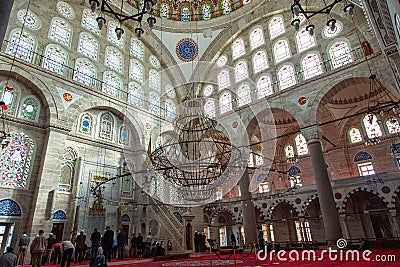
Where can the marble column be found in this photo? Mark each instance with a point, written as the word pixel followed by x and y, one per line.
pixel 329 212
pixel 5 11
pixel 345 226
pixel 249 217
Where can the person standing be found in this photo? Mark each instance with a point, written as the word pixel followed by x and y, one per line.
pixel 122 240
pixel 80 247
pixel 108 240
pixel 38 248
pixel 140 252
pixel 8 259
pixel 23 246
pixel 50 242
pixel 95 237
pixel 196 241
pixel 67 250
pixel 134 244
pixel 148 244
pixel 233 240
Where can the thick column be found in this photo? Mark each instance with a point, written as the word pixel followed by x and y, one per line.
pixel 327 203
pixel 5 11
pixel 249 217
pixel 345 226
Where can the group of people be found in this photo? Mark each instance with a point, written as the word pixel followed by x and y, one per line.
pixel 200 241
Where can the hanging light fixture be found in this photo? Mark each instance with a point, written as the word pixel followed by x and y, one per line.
pixel 4 133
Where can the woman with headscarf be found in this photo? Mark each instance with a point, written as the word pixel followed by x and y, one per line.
pixel 100 259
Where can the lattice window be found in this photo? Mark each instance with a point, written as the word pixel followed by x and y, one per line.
pixel 66 10
pixel 260 61
pixel 89 21
pixel 372 126
pixel 154 103
pixel 21 45
pixel 154 80
pixel 10 96
pixel 241 72
pixel 29 19
pixel 225 102
pixel 206 11
pixel 123 135
pixel 244 95
pixel 276 27
pixel 60 31
pixel 136 71
pixel 238 48
pixel 135 94
pixel 185 13
pixel 286 76
pixel 222 61
pixel 209 108
pixel 312 66
pixel 30 109
pixel 392 125
pixel 114 59
pixel 112 83
pixel 289 151
pixel 170 109
pixel 281 51
pixel 85 72
pixel 366 169
pixel 264 86
pixel 55 59
pixel 112 36
pixel 301 145
pixel 106 125
pixel 137 48
pixel 304 40
pixel 86 124
pixel 340 54
pixel 256 38
pixel 223 79
pixel 88 46
pixel 15 161
pixel 165 10
pixel 226 7
pixel 355 135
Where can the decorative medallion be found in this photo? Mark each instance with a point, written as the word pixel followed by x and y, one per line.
pixel 67 97
pixel 187 49
pixel 385 190
pixel 29 19
pixel 302 100
pixel 338 195
pixel 297 201
pixel 235 124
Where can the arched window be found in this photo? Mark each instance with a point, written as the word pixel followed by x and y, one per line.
pixel 89 21
pixel 208 90
pixel 60 31
pixel 241 72
pixel 392 125
pixel 137 48
pixel 15 161
pixel 114 59
pixel 294 176
pixel 223 79
pixel 301 145
pixel 154 61
pixel 135 94
pixel 276 27
pixel 88 46
pixel 112 83
pixel 66 10
pixel 225 102
pixel 67 170
pixel 286 76
pixel 136 71
pixel 355 135
pixel 85 72
pixel 30 109
pixel 340 54
pixel 304 40
pixel 86 124
pixel 170 109
pixel 243 95
pixel 106 126
pixel 164 10
pixel 222 61
pixel 123 136
pixel 226 7
pixel 312 66
pixel 170 91
pixel 256 38
pixel 154 79
pixel 238 49
pixel 209 108
pixel 29 19
pixel 264 86
pixel 112 36
pixel 10 96
pixel 372 126
pixel 289 151
pixel 206 11
pixel 154 103
pixel 260 61
pixel 281 51
pixel 21 45
pixel 185 13
pixel 55 59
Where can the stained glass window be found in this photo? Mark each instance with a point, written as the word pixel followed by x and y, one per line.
pixel 15 161
pixel 164 11
pixel 328 33
pixel 55 58
pixel 355 135
pixel 106 126
pixel 222 61
pixel 60 31
pixel 276 27
pixel 114 59
pixel 85 72
pixel 67 170
pixel 10 96
pixel 123 135
pixel 88 46
pixel 208 90
pixel 89 21
pixel 112 36
pixel 259 160
pixel 260 61
pixel 86 124
pixel 136 71
pixel 264 86
pixel 281 51
pixel 154 103
pixel 245 2
pixel 29 19
pixel 372 126
pixel 340 54
pixel 226 7
pixel 244 95
pixel 238 49
pixel 241 72
pixel 154 79
pixel 225 102
pixel 29 110
pixel 170 109
pixel 304 40
pixel 289 151
pixel 256 38
pixel 137 48
pixel 206 11
pixel 286 76
pixel 185 11
pixel 392 125
pixel 301 145
pixel 154 61
pixel 209 108
pixel 135 94
pixel 21 45
pixel 112 83
pixel 223 79
pixel 170 91
pixel 66 10
pixel 311 65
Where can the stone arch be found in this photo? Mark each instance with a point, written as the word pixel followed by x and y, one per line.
pixel 260 212
pixel 218 211
pixel 276 203
pixel 59 215
pixel 360 189
pixel 306 202
pixel 125 218
pixel 10 208
pixel 396 194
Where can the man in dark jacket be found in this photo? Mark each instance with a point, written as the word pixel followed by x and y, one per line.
pixel 23 246
pixel 134 245
pixel 108 240
pixel 80 244
pixel 122 240
pixel 95 237
pixel 8 259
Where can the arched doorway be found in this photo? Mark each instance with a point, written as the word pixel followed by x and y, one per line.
pixel 284 218
pixel 313 223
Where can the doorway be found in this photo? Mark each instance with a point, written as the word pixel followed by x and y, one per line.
pixel 6 234
pixel 58 231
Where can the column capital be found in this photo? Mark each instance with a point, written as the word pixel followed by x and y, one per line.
pixel 312 134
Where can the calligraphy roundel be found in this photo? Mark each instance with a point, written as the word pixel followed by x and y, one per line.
pixel 187 49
